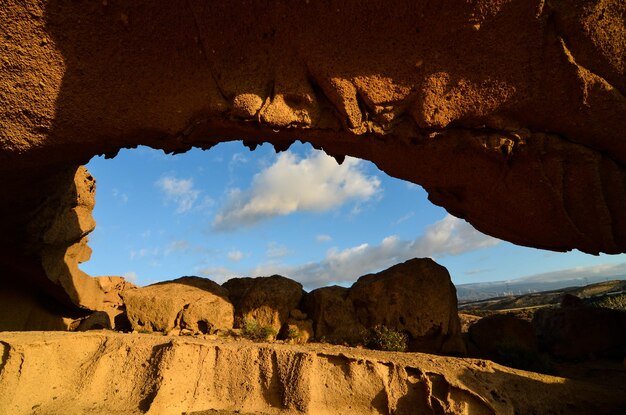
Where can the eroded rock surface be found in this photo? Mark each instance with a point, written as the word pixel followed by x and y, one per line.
pixel 108 373
pixel 266 300
pixel 194 304
pixel 510 113
pixel 416 297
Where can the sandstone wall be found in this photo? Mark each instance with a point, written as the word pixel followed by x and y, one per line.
pixel 97 373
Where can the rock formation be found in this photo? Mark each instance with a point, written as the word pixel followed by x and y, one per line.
pixel 266 300
pixel 192 304
pixel 511 114
pixel 110 373
pixel 333 314
pixel 581 332
pixel 416 297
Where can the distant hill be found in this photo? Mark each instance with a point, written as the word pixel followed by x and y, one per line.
pixel 545 298
pixel 526 285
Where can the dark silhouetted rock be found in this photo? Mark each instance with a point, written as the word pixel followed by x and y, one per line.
pixel 498 333
pixel 267 300
pixel 581 332
pixel 333 315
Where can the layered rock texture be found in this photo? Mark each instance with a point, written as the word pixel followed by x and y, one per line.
pixel 510 113
pixel 97 373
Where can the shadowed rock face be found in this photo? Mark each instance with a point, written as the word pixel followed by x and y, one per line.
pixel 511 114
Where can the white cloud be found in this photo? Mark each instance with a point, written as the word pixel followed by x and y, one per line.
pixel 235 256
pixel 315 184
pixel 275 250
pixel 449 236
pixel 323 238
pixel 178 191
pixel 591 271
pixel 404 218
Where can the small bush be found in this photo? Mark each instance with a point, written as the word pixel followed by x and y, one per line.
pixel 383 338
pixel 253 331
pixel 293 333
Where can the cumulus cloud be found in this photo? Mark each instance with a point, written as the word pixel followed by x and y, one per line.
pixel 314 184
pixel 178 191
pixel 449 236
pixel 235 256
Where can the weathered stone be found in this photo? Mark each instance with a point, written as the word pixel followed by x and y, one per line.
pixel 334 318
pixel 581 332
pixel 267 300
pixel 498 334
pixel 521 134
pixel 192 303
pixel 111 373
pixel 296 331
pixel 97 321
pixel 416 297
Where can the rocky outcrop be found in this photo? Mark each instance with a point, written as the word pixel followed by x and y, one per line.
pixel 190 304
pixel 109 373
pixel 510 114
pixel 416 297
pixel 333 314
pixel 581 332
pixel 267 300
pixel 499 333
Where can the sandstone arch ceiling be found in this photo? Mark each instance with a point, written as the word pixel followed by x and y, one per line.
pixel 511 114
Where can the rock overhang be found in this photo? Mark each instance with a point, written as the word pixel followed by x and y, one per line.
pixel 510 113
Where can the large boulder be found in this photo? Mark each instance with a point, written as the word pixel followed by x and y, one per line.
pixel 416 297
pixel 334 318
pixel 267 300
pixel 496 334
pixel 194 304
pixel 581 332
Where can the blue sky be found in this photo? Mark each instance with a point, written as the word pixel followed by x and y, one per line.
pixel 230 212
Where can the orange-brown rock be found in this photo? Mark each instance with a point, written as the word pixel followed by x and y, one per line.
pixel 510 113
pixel 416 297
pixel 126 374
pixel 193 304
pixel 333 315
pixel 267 300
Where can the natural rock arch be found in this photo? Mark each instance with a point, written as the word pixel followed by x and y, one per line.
pixel 511 114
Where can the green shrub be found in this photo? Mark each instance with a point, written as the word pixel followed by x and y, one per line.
pixel 253 331
pixel 383 338
pixel 293 333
